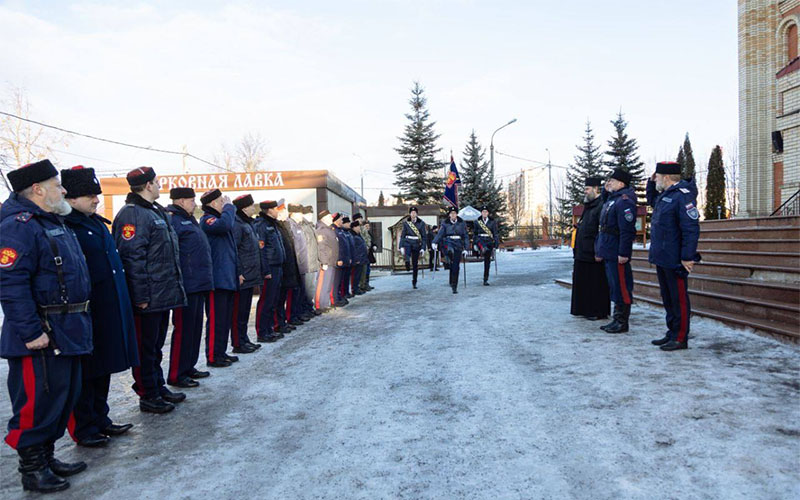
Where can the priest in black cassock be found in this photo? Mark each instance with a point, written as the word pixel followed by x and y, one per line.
pixel 589 285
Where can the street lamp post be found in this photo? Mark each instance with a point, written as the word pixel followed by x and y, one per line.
pixel 491 142
pixel 549 187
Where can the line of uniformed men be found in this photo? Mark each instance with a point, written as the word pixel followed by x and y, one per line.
pixel 81 302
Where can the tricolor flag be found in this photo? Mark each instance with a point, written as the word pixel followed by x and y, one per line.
pixel 451 184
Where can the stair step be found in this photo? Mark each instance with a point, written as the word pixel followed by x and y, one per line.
pixel 789 220
pixel 772 273
pixel 750 244
pixel 780 331
pixel 778 292
pixel 725 303
pixel 779 259
pixel 771 232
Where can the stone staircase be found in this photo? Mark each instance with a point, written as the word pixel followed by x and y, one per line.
pixel 749 275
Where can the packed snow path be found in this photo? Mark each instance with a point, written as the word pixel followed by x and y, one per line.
pixel 496 392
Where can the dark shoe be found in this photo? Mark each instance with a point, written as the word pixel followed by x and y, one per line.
pixel 307 317
pixel 613 325
pixel 94 441
pixel 617 328
pixel 273 338
pixel 296 322
pixel 243 349
pixel 253 346
pixel 660 341
pixel 36 473
pixel 414 286
pixel 116 429
pixel 360 292
pixel 455 290
pixel 349 296
pixel 591 318
pixel 60 468
pixel 184 383
pixel 199 374
pixel 485 283
pixel 263 338
pixel 155 405
pixel 674 345
pixel 232 359
pixel 614 319
pixel 318 312
pixel 220 363
pixel 172 397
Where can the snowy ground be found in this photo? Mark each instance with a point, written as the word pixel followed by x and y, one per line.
pixel 492 393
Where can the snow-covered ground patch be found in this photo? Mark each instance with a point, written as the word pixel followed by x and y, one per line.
pixel 496 392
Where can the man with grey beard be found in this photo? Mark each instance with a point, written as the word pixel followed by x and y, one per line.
pixel 44 290
pixel 589 283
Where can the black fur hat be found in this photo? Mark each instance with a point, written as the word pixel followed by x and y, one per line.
pixel 80 181
pixel 28 175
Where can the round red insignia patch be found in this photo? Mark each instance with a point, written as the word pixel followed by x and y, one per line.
pixel 7 257
pixel 260 243
pixel 128 232
pixel 211 220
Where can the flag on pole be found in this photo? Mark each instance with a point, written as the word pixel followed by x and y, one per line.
pixel 451 185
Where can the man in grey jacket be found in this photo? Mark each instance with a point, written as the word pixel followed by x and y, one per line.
pixel 312 250
pixel 298 303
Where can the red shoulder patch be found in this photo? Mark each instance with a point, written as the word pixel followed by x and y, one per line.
pixel 24 217
pixel 211 220
pixel 260 243
pixel 128 232
pixel 7 257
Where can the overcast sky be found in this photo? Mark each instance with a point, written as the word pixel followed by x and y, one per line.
pixel 326 83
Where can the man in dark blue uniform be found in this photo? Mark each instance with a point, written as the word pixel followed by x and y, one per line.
pixel 217 222
pixel 343 264
pixel 273 255
pixel 615 244
pixel 347 273
pixel 113 335
pixel 290 280
pixel 44 291
pixel 360 257
pixel 674 231
pixel 198 281
pixel 148 247
pixel 413 239
pixel 487 239
pixel 453 237
pixel 250 263
pixel 328 246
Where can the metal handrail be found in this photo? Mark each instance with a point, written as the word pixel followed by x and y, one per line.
pixel 790 206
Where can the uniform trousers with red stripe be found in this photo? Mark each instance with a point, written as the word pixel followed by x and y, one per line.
pixel 91 411
pixel 355 278
pixel 267 301
pixel 323 295
pixel 242 303
pixel 151 332
pixel 620 281
pixel 675 297
pixel 280 318
pixel 42 398
pixel 219 311
pixel 187 333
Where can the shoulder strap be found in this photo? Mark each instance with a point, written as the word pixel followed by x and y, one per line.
pixel 58 261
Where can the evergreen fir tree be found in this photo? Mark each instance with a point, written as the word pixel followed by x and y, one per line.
pixel 687 166
pixel 681 158
pixel 419 175
pixel 715 185
pixel 587 163
pixel 381 200
pixel 473 170
pixel 496 202
pixel 623 153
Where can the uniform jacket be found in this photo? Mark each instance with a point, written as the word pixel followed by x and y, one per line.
pixel 370 247
pixel 28 279
pixel 452 235
pixel 328 244
pixel 345 255
pixel 409 239
pixel 148 247
pixel 483 237
pixel 300 246
pixel 273 252
pixel 247 247
pixel 195 252
pixel 588 227
pixel 360 255
pixel 113 333
pixel 675 225
pixel 219 230
pixel 291 276
pixel 617 225
pixel 312 248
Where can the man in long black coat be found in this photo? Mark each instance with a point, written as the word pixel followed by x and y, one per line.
pixel 589 284
pixel 113 334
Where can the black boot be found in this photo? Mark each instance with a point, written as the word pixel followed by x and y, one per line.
pixel 63 469
pixel 36 473
pixel 622 313
pixel 455 288
pixel 662 340
pixel 674 345
pixel 614 322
